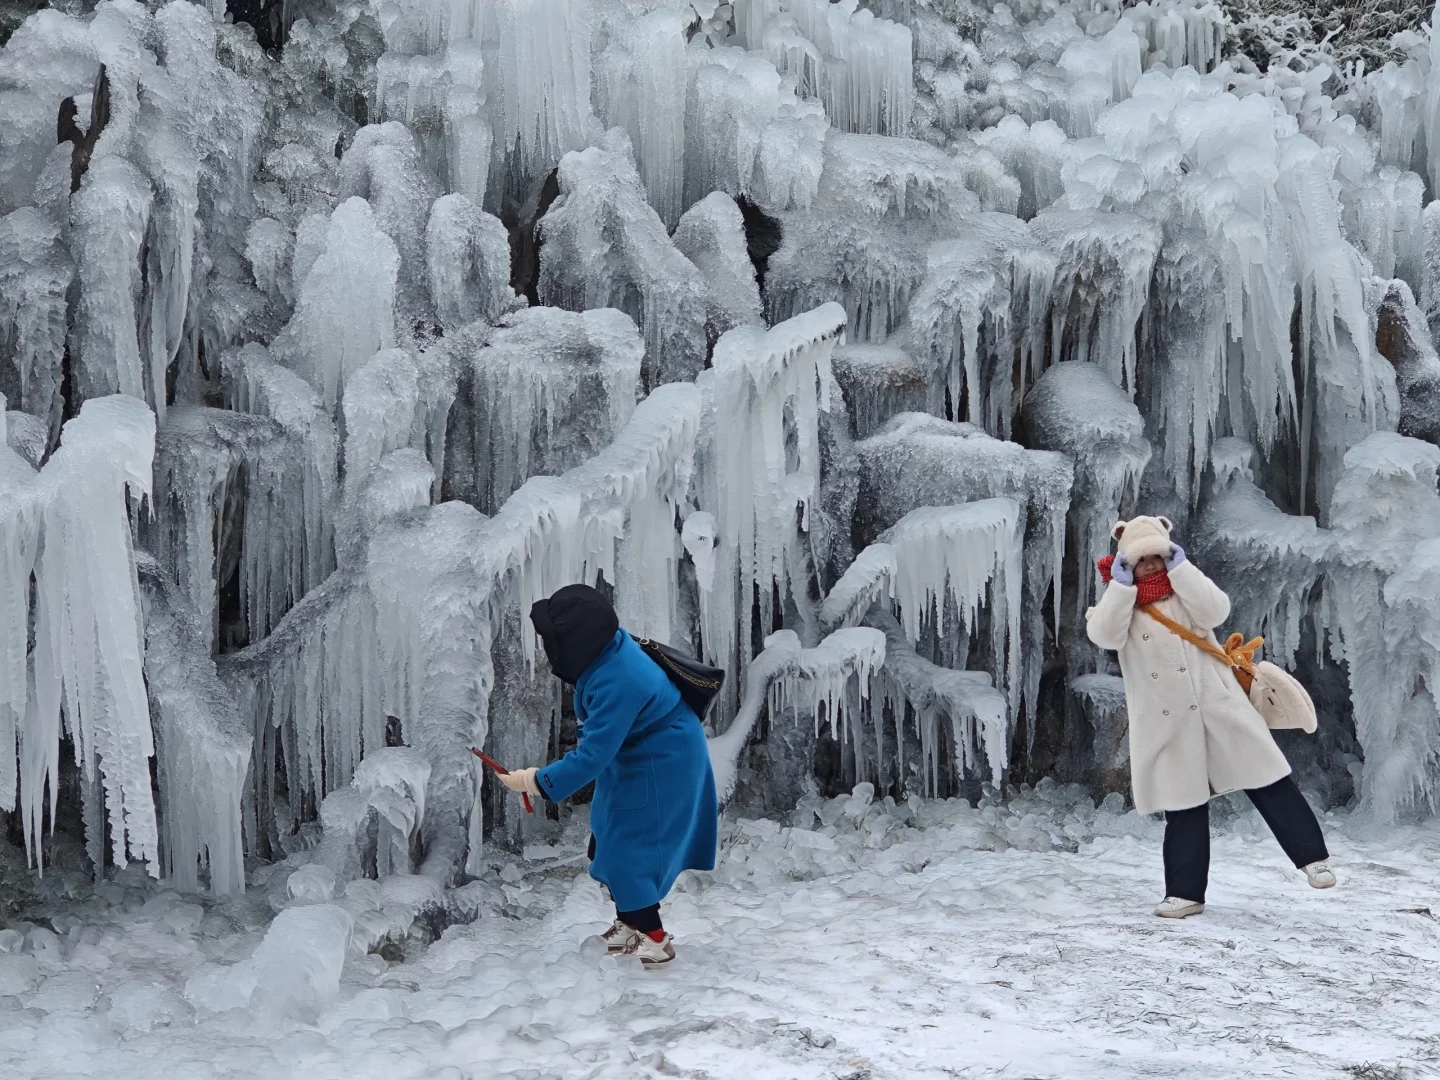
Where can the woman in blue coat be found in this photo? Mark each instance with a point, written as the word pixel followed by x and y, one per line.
pixel 655 812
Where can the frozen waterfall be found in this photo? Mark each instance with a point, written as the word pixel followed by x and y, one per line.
pixel 830 338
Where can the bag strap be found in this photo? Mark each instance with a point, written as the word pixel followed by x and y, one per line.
pixel 1234 655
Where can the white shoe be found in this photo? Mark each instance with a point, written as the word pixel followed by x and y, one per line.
pixel 1320 875
pixel 620 938
pixel 1173 907
pixel 653 954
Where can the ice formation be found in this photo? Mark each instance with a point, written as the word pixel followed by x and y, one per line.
pixel 1386 514
pixel 761 466
pixel 604 246
pixel 711 235
pixel 1089 261
pixel 551 388
pixel 202 744
pixel 1078 410
pixel 69 526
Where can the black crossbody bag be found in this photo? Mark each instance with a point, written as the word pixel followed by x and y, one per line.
pixel 698 683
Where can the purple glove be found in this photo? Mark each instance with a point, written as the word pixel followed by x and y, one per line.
pixel 1175 558
pixel 1121 571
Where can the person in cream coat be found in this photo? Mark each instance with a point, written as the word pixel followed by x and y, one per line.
pixel 1193 732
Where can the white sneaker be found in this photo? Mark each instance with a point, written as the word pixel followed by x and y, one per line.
pixel 1173 907
pixel 1320 875
pixel 620 938
pixel 653 954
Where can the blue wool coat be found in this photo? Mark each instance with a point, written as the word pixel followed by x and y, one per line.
pixel 655 812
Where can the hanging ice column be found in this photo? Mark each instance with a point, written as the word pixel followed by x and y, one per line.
pixel 761 465
pixel 917 460
pixel 346 308
pixel 537 82
pixel 939 560
pixel 860 66
pixel 604 246
pixel 72 519
pixel 204 746
pixel 1267 560
pixel 641 86
pixel 1385 517
pixel 1077 409
pixel 209 464
pixel 937 563
pixel 35 276
pixel 549 389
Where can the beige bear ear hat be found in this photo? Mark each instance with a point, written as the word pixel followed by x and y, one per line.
pixel 1142 536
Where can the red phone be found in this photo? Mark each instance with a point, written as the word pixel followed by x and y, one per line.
pixel 488 760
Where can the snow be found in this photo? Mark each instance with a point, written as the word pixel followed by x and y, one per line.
pixel 1029 921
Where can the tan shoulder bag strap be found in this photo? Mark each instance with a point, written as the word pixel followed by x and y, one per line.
pixel 1240 658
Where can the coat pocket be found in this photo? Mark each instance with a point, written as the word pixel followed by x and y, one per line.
pixel 632 786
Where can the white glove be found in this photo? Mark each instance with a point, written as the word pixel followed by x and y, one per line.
pixel 522 780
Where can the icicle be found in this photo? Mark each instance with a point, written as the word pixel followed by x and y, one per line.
pixel 1076 409
pixel 760 377
pixel 642 86
pixel 204 746
pixel 536 74
pixel 548 385
pixel 1268 561
pixel 88 646
pixel 35 275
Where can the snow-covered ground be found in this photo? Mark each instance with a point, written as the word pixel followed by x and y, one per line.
pixel 919 941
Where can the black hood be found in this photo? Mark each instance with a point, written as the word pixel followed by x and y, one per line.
pixel 574 625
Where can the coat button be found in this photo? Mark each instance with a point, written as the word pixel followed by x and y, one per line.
pixel 1154 674
pixel 1182 669
pixel 1144 637
pixel 1164 712
pixel 1194 707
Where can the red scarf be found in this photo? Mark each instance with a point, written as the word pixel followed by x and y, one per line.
pixel 1152 590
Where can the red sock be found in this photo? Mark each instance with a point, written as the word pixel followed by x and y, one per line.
pixel 655 935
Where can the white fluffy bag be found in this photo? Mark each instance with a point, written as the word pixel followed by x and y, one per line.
pixel 1281 700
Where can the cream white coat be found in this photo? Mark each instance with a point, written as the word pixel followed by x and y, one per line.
pixel 1193 731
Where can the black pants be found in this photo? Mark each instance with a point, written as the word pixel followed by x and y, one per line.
pixel 1187 837
pixel 645 919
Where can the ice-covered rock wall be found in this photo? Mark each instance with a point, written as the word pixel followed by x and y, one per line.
pixel 831 338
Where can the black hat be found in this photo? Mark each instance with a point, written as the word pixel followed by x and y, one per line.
pixel 575 625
